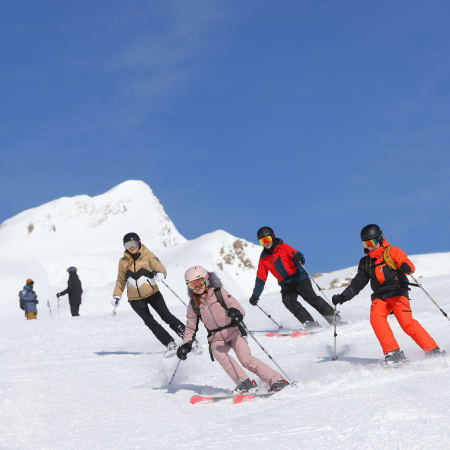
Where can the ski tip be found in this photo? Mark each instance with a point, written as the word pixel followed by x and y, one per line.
pixel 200 399
pixel 300 333
pixel 242 398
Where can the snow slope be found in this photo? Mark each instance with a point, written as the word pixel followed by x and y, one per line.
pixel 98 382
pixel 87 232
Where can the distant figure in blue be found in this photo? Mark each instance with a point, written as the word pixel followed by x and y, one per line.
pixel 28 300
pixel 74 290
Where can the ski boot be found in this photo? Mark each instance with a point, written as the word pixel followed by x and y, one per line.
pixel 171 350
pixel 278 385
pixel 310 325
pixel 394 357
pixel 246 386
pixel 435 352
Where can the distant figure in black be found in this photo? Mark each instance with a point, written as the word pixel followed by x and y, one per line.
pixel 74 290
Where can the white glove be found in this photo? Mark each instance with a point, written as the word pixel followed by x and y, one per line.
pixel 159 276
pixel 115 300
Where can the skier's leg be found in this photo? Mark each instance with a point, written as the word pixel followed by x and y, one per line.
pixel 220 351
pixel 74 308
pixel 378 319
pixel 157 302
pixel 242 350
pixel 403 313
pixel 289 299
pixel 306 291
pixel 141 308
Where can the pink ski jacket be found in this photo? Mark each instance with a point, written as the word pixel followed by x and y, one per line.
pixel 213 316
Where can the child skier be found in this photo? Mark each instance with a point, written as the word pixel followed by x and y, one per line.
pixel 221 314
pixel 286 265
pixel 139 270
pixel 28 299
pixel 386 268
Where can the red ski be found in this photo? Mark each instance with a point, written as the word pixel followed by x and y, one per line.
pixel 242 398
pixel 209 398
pixel 293 334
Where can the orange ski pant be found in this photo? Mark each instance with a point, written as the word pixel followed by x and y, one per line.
pixel 401 308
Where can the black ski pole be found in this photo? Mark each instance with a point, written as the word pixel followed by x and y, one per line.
pixel 292 383
pixel 173 292
pixel 270 317
pixel 335 311
pixel 174 372
pixel 58 304
pixel 49 307
pixel 429 296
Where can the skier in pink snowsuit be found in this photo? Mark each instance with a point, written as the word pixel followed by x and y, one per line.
pixel 221 314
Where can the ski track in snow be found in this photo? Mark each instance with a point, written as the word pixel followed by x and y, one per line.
pixel 98 382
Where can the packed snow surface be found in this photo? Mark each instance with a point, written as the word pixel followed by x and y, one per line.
pixel 100 382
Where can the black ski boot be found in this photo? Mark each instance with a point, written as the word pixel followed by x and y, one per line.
pixel 435 352
pixel 278 385
pixel 245 386
pixel 394 357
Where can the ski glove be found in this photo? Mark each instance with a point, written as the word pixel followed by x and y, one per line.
pixel 115 300
pixel 159 276
pixel 299 259
pixel 404 269
pixel 58 294
pixel 253 300
pixel 338 299
pixel 183 350
pixel 235 315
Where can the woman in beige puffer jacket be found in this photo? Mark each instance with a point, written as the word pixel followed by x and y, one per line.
pixel 139 271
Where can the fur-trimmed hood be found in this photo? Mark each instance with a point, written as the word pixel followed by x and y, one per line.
pixel 214 282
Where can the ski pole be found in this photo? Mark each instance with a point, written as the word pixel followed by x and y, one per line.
pixel 292 383
pixel 429 296
pixel 173 292
pixel 49 307
pixel 116 304
pixel 58 305
pixel 270 317
pixel 335 311
pixel 335 334
pixel 174 372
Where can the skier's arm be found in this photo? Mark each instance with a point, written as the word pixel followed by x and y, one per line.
pixel 191 324
pixel 121 281
pixel 155 264
pixel 297 257
pixel 356 285
pixel 261 278
pixel 231 302
pixel 402 261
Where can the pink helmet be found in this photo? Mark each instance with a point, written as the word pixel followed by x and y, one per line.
pixel 195 273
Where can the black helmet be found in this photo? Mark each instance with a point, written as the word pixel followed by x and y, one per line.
pixel 72 269
pixel 131 237
pixel 265 231
pixel 372 231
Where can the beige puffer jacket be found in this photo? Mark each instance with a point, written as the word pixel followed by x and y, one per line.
pixel 135 274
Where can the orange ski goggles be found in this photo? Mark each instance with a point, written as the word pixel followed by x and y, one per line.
pixel 371 243
pixel 196 283
pixel 266 240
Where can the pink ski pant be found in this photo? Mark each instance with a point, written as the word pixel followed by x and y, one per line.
pixel 220 350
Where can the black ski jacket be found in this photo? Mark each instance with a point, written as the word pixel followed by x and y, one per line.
pixel 74 289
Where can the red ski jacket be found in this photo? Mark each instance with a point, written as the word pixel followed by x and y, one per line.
pixel 278 261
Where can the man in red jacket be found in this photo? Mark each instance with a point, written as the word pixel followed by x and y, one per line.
pixel 286 265
pixel 386 268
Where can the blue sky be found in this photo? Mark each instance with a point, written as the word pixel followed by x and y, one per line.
pixel 314 117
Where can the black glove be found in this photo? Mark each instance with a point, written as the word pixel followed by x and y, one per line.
pixel 235 315
pixel 36 301
pixel 183 350
pixel 338 299
pixel 58 295
pixel 299 259
pixel 253 300
pixel 404 269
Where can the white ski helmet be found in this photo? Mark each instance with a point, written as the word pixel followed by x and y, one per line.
pixel 195 273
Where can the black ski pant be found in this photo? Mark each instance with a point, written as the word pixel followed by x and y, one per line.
pixel 304 288
pixel 156 301
pixel 74 308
